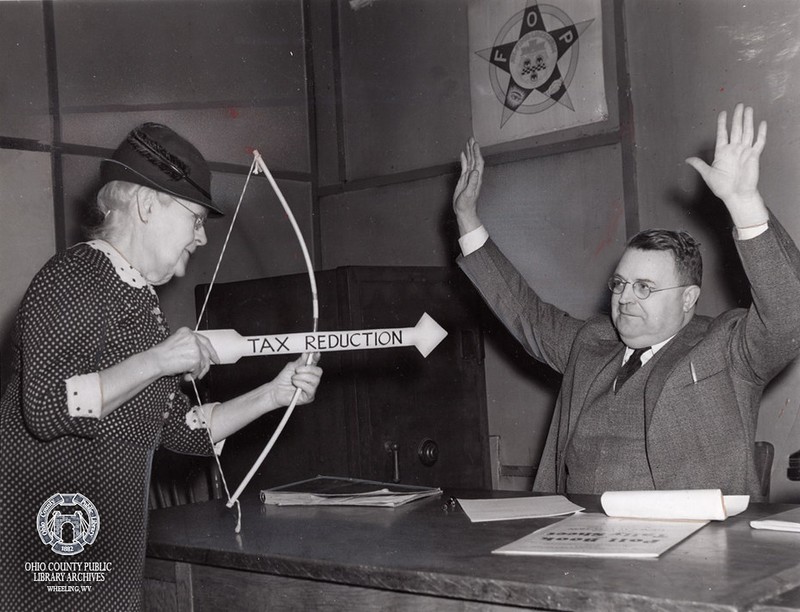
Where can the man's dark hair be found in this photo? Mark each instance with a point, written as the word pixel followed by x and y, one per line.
pixel 685 251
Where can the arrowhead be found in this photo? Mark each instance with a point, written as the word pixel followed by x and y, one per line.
pixel 428 334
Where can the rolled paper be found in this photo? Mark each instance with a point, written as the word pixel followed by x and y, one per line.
pixel 684 504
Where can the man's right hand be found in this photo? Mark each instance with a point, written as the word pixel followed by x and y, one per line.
pixel 465 196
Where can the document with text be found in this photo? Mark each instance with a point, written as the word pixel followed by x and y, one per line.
pixel 597 535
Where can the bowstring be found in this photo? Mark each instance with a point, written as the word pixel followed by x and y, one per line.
pixel 207 422
pixel 225 245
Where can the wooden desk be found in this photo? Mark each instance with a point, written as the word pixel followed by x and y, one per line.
pixel 420 556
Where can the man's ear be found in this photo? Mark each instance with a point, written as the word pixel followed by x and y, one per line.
pixel 690 296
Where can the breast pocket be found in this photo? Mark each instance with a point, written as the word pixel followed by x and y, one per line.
pixel 702 389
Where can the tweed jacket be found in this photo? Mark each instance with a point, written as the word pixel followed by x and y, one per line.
pixel 701 397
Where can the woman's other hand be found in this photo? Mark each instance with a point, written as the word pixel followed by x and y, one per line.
pixel 185 352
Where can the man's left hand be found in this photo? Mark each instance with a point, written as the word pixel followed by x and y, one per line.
pixel 733 175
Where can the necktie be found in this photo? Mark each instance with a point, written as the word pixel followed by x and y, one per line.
pixel 630 367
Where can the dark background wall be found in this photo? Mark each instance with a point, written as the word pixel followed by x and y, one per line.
pixel 361 115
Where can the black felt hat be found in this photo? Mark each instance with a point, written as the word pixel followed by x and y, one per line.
pixel 155 156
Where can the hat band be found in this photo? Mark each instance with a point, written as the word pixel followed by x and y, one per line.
pixel 162 159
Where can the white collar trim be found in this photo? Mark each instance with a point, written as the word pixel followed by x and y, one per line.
pixel 126 272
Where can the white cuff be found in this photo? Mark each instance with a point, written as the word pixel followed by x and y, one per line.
pixel 746 233
pixel 84 396
pixel 199 417
pixel 472 241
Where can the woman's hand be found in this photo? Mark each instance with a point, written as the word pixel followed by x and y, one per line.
pixel 297 375
pixel 236 413
pixel 185 352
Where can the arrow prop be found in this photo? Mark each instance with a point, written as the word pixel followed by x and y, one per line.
pixel 232 346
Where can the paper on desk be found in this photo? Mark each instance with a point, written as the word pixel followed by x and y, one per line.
pixel 788 520
pixel 686 504
pixel 509 508
pixel 596 535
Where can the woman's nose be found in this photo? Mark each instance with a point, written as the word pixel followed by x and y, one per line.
pixel 200 236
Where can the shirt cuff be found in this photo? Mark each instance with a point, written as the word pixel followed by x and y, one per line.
pixel 745 233
pixel 199 417
pixel 84 396
pixel 472 241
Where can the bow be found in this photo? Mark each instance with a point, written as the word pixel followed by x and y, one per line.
pixel 259 165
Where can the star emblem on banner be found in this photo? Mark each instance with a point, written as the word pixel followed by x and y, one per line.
pixel 534 59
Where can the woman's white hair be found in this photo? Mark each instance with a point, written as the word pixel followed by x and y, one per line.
pixel 113 197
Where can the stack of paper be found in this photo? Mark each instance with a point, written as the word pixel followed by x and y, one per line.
pixel 509 508
pixel 333 491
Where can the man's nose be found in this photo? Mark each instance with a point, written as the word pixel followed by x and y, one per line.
pixel 627 296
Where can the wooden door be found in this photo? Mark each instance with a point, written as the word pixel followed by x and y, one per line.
pixel 422 419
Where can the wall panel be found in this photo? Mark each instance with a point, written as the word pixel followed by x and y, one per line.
pixel 228 74
pixel 405 85
pixel 23 80
pixel 27 239
pixel 407 224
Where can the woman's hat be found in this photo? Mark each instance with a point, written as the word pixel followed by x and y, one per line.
pixel 155 156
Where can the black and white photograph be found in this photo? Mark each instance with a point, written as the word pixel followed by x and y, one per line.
pixel 440 305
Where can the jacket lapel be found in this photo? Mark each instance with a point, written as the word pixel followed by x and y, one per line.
pixel 591 361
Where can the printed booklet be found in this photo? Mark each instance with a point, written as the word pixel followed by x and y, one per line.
pixel 597 535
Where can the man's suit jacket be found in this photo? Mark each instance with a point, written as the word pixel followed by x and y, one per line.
pixel 701 397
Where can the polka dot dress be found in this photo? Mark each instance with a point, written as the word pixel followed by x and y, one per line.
pixel 86 310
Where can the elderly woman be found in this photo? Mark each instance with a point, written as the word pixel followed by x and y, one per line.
pixel 96 386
